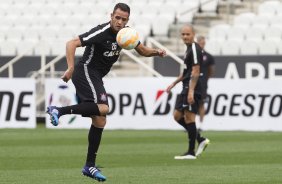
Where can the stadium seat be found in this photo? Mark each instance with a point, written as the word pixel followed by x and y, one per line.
pixel 8 48
pixel 146 19
pixel 32 33
pixel 58 48
pixel 24 21
pixel 273 32
pixel 213 46
pixel 83 10
pixel 156 3
pixel 77 2
pixel 49 33
pixel 279 9
pixel 66 34
pixel 143 30
pixel 2 36
pixel 161 25
pixel 42 48
pixel 67 9
pixel 137 6
pixel 279 49
pixel 268 7
pixel 209 5
pixel 175 3
pixel 49 9
pixel 124 1
pixel 33 9
pixel 168 8
pixel 276 20
pixel 57 20
pixel 149 11
pixel 219 31
pixel 15 9
pixel 26 44
pixel 230 47
pixel 8 21
pixel 186 11
pixel 15 34
pixel 236 33
pixel 244 19
pixel 249 47
pixel 43 2
pixel 263 20
pixel 268 47
pixel 255 33
pixel 3 10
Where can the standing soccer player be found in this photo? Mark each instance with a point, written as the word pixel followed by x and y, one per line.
pixel 208 69
pixel 187 104
pixel 101 52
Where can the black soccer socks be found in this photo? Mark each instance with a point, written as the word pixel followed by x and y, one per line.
pixel 86 109
pixel 182 123
pixel 192 133
pixel 94 139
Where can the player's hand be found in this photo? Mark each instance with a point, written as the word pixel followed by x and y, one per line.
pixel 67 75
pixel 168 89
pixel 190 97
pixel 161 52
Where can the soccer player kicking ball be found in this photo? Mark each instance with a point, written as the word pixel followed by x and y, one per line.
pixel 187 103
pixel 101 52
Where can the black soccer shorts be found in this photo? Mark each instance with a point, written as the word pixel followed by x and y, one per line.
pixel 182 104
pixel 89 85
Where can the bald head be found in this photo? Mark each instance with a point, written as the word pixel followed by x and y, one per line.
pixel 188 26
pixel 188 34
pixel 201 40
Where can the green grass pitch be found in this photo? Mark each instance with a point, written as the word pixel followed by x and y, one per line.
pixel 139 157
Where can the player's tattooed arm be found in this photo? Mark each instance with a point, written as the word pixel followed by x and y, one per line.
pixel 148 52
pixel 193 82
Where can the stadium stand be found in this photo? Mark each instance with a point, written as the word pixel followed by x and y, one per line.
pixel 49 17
pixel 237 27
pixel 259 30
pixel 55 21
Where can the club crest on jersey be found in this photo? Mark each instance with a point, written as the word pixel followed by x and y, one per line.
pixel 103 97
pixel 114 46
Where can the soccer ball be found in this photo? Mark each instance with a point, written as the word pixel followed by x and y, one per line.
pixel 127 38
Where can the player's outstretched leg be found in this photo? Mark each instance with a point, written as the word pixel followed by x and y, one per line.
pixel 202 146
pixel 93 172
pixel 54 115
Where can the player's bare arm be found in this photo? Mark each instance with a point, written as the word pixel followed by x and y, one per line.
pixel 193 82
pixel 179 78
pixel 148 52
pixel 70 54
pixel 211 71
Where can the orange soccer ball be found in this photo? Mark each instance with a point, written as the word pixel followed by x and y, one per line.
pixel 127 38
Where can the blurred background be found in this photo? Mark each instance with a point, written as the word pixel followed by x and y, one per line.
pixel 244 106
pixel 244 36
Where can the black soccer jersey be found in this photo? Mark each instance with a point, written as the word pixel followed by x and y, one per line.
pixel 207 62
pixel 102 50
pixel 193 56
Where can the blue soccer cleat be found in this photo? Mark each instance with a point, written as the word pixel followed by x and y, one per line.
pixel 54 115
pixel 94 173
